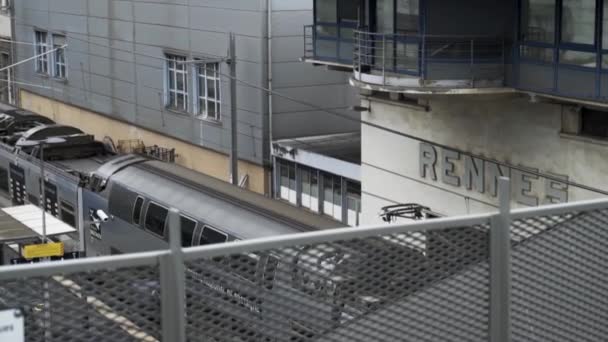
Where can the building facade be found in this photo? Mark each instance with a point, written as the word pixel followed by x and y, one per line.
pixel 457 94
pixel 157 73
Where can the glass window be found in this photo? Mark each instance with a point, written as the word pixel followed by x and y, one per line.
pixel 326 11
pixel 155 219
pixel 332 201
pixel 578 21
pixel 580 58
pixel 349 11
pixel 538 20
pixel 188 227
pixel 353 198
pixel 594 123
pixel 385 16
pixel 137 210
pixel 176 91
pixel 211 236
pixel 5 76
pixel 287 184
pixel 537 53
pixel 68 214
pixel 42 47
pixel 59 66
pixel 605 27
pixel 209 91
pixel 407 16
pixel 310 189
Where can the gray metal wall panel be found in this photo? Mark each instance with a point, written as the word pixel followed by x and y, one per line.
pixel 116 68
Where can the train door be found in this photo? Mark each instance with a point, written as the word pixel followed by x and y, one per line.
pixel 17 184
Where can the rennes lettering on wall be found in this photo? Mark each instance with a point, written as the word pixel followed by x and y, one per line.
pixel 459 170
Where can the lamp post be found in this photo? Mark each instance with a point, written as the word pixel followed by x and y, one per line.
pixel 41 144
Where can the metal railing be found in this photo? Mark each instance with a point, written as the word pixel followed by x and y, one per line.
pixel 535 274
pixel 429 58
pixel 331 43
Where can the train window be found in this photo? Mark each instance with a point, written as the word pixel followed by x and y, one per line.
pixel 67 213
pixel 188 227
pixel 156 216
pixel 211 236
pixel 137 210
pixel 3 179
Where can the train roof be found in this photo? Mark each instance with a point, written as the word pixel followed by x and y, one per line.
pixel 242 212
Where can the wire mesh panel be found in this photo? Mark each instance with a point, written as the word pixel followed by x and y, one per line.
pixel 560 277
pixel 117 305
pixel 415 286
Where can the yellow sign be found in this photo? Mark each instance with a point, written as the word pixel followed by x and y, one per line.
pixel 43 250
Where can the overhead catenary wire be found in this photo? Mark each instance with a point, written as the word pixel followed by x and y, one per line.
pixel 364 122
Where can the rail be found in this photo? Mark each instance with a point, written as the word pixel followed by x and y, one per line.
pixel 429 57
pixel 520 275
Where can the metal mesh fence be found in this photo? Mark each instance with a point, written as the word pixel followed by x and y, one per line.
pixel 560 278
pixel 114 305
pixel 413 286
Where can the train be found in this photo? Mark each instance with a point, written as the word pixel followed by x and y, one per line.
pixel 120 202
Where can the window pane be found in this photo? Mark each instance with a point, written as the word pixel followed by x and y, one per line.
pixel 578 21
pixel 314 191
pixel 137 210
pixel 328 193
pixel 337 198
pixel 594 123
pixel 188 227
pixel 407 16
pixel 585 59
pixel 385 16
pixel 305 174
pixel 326 11
pixel 349 11
pixel 605 27
pixel 211 236
pixel 211 89
pixel 537 53
pixel 538 20
pixel 155 219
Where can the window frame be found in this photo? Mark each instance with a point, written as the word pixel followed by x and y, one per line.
pixel 206 226
pixel 202 93
pixel 141 207
pixel 191 243
pixel 145 225
pixel 172 58
pixel 56 64
pixel 42 63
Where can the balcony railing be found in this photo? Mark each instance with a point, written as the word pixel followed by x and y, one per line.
pixel 329 43
pixel 460 61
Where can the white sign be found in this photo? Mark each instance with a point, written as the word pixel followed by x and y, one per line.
pixel 11 326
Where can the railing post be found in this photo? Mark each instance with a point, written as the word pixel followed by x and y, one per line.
pixel 383 59
pixel 173 290
pixel 500 267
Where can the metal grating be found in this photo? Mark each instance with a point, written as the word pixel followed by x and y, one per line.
pixel 411 286
pixel 560 278
pixel 113 306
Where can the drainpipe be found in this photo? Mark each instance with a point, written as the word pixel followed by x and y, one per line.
pixel 269 76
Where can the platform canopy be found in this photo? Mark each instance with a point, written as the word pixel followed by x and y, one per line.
pixel 25 223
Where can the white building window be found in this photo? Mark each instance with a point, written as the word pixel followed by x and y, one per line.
pixel 59 61
pixel 209 91
pixel 288 191
pixel 176 86
pixel 332 196
pixel 310 189
pixel 41 47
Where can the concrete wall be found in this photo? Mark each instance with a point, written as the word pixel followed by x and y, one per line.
pixel 508 129
pixel 189 155
pixel 315 84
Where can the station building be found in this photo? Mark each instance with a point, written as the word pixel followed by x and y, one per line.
pixel 454 94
